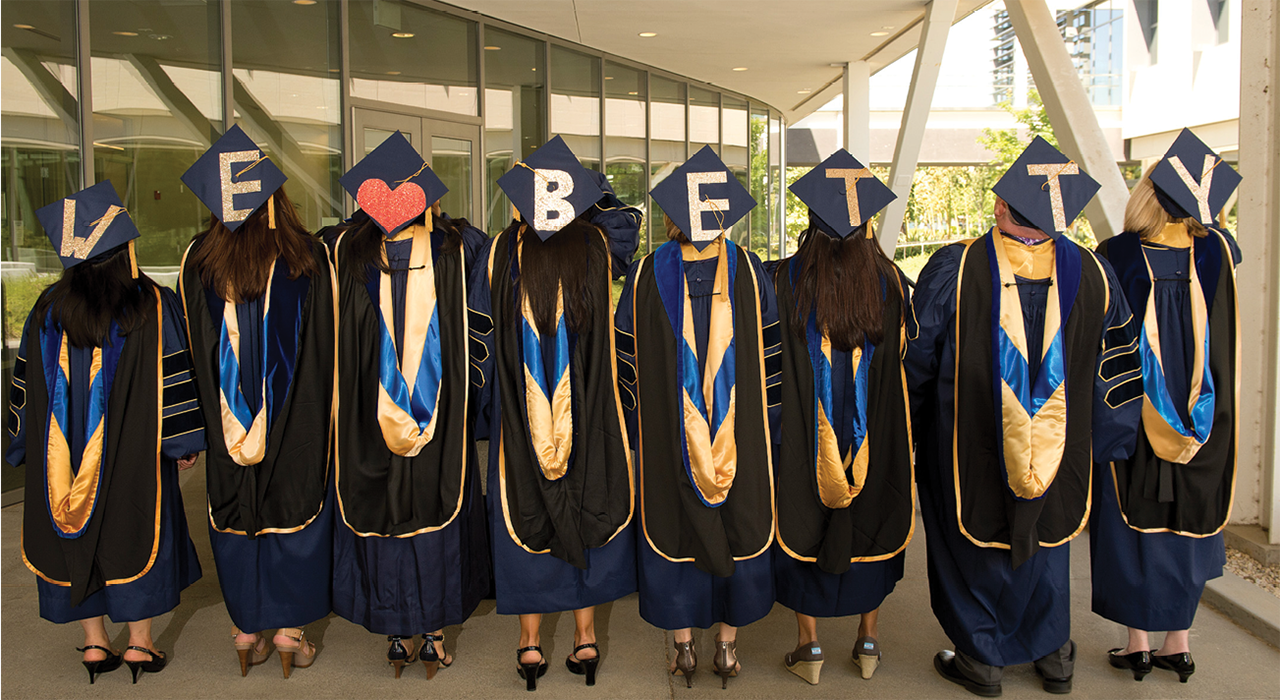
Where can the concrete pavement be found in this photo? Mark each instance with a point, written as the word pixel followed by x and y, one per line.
pixel 39 660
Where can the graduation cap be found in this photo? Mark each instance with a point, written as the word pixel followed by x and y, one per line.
pixel 233 178
pixel 1046 188
pixel 87 224
pixel 703 198
pixel 550 188
pixel 393 185
pixel 1194 180
pixel 842 194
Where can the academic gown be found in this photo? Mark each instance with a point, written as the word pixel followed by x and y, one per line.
pixel 528 582
pixel 1153 580
pixel 679 594
pixel 174 564
pixel 804 586
pixel 991 611
pixel 279 577
pixel 427 581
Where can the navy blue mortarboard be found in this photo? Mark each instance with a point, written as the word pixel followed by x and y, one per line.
pixel 393 184
pixel 1196 179
pixel 86 224
pixel 233 178
pixel 1046 188
pixel 550 188
pixel 842 193
pixel 703 198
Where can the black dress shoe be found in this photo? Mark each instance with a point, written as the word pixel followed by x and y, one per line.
pixel 1057 686
pixel 945 662
pixel 1139 662
pixel 1181 664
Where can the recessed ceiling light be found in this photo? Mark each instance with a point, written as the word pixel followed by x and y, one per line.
pixel 393 72
pixel 23 26
pixel 335 70
pixel 493 48
pixel 608 77
pixel 403 35
pixel 803 92
pixel 633 93
pixel 648 35
pixel 304 2
pixel 125 33
pixel 533 69
pixel 740 69
pixel 879 33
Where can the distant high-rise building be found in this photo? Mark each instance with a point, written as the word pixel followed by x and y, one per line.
pixel 1094 36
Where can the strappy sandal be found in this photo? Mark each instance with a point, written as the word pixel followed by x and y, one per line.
pixel 686 662
pixel 726 661
pixel 432 658
pixel 531 672
pixel 155 664
pixel 248 651
pixel 300 654
pixel 101 666
pixel 581 667
pixel 398 654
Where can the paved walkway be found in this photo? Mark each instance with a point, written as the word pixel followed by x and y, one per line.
pixel 39 659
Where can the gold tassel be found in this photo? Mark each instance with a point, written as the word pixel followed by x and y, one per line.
pixel 133 260
pixel 271 211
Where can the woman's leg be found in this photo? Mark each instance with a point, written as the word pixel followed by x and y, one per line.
pixel 869 626
pixel 140 636
pixel 808 626
pixel 95 634
pixel 530 636
pixel 1137 642
pixel 1175 642
pixel 584 632
pixel 728 633
pixel 445 658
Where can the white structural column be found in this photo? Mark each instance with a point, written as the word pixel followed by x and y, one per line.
pixel 1067 104
pixel 857 109
pixel 1259 275
pixel 938 17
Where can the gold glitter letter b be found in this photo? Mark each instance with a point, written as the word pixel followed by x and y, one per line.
pixel 545 201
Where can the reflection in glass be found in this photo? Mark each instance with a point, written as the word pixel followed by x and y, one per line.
pixel 704 119
pixel 515 113
pixel 625 90
pixel 666 145
pixel 286 97
pixel 758 144
pixel 575 103
pixel 157 105
pixel 734 133
pixel 451 161
pixel 777 247
pixel 406 54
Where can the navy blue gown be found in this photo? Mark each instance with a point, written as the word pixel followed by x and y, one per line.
pixel 526 582
pixel 992 612
pixel 677 595
pixel 176 566
pixel 1153 580
pixel 409 585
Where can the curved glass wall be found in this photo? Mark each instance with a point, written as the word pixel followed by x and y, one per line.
pixel 515 112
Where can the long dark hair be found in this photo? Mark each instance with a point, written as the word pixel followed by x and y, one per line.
pixel 89 296
pixel 366 240
pixel 842 280
pixel 574 258
pixel 236 264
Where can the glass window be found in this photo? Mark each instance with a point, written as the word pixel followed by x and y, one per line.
pixel 451 160
pixel 625 91
pixel 287 97
pixel 777 247
pixel 406 54
pixel 734 133
pixel 666 144
pixel 514 112
pixel 575 103
pixel 704 120
pixel 40 162
pixel 758 143
pixel 157 106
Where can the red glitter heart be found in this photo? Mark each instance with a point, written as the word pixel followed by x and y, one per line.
pixel 391 208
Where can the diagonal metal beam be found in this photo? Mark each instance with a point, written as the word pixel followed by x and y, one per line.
pixel 280 142
pixel 1070 112
pixel 46 84
pixel 180 106
pixel 938 17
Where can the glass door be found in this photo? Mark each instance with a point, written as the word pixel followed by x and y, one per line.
pixel 449 147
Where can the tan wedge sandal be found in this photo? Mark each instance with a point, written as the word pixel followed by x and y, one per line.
pixel 806 662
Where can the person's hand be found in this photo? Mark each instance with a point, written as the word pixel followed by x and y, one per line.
pixel 186 462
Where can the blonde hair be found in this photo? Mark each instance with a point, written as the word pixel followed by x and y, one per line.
pixel 1146 217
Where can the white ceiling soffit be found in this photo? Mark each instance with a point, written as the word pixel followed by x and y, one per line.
pixel 786 45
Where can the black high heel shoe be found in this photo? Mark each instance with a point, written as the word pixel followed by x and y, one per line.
pixel 1181 664
pixel 155 664
pixel 430 657
pixel 107 665
pixel 1139 662
pixel 398 655
pixel 585 667
pixel 531 672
